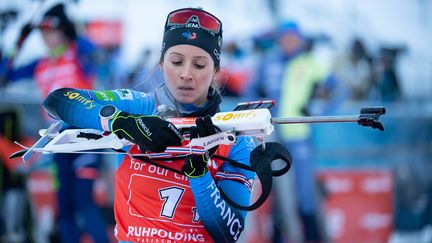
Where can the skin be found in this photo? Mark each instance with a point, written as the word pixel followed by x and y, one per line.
pixel 290 42
pixel 53 37
pixel 188 72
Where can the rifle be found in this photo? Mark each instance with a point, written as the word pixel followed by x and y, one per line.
pixel 247 119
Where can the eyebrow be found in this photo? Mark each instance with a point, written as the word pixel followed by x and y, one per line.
pixel 177 53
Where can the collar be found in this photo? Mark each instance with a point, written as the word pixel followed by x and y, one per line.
pixel 168 106
pixel 58 51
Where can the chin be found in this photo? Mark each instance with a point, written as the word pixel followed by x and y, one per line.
pixel 185 99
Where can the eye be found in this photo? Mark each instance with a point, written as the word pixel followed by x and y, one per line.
pixel 176 63
pixel 199 66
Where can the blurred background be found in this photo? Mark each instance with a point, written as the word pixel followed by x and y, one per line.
pixel 350 183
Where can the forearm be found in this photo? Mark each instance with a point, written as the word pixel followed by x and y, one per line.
pixel 16 74
pixel 75 107
pixel 223 222
pixel 80 108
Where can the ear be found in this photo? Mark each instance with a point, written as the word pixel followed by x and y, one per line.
pixel 217 71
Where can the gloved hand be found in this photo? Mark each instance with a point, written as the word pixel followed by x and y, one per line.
pixel 148 132
pixel 205 127
pixel 196 165
pixel 25 32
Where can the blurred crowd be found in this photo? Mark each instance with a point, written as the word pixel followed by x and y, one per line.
pixel 299 70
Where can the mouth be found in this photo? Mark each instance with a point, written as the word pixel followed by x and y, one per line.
pixel 186 88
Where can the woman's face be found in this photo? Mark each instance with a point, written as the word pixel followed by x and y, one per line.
pixel 290 43
pixel 188 71
pixel 53 37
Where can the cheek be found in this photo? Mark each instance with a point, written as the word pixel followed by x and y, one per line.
pixel 202 85
pixel 52 39
pixel 206 79
pixel 47 37
pixel 205 83
pixel 170 78
pixel 170 74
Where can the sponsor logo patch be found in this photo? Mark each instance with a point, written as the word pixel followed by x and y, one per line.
pixel 105 95
pixel 77 97
pixel 124 94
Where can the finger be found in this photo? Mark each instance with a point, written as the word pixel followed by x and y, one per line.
pixel 193 132
pixel 209 127
pixel 160 144
pixel 121 134
pixel 174 129
pixel 143 149
pixel 170 137
pixel 202 131
pixel 157 147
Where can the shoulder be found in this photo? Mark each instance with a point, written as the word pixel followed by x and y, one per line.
pixel 84 45
pixel 272 56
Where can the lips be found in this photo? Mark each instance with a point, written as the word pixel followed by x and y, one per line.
pixel 185 88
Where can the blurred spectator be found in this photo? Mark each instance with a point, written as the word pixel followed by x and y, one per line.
pixel 299 84
pixel 237 70
pixel 70 63
pixel 386 83
pixel 290 75
pixel 14 212
pixel 7 16
pixel 107 35
pixel 108 74
pixel 145 75
pixel 266 81
pixel 263 42
pixel 412 203
pixel 353 70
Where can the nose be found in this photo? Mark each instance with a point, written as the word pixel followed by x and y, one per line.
pixel 186 73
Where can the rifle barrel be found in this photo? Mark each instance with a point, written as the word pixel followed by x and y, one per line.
pixel 314 119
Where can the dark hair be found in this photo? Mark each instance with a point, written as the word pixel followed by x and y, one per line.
pixel 56 17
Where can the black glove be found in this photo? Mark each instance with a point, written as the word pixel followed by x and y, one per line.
pixel 204 127
pixel 196 165
pixel 148 132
